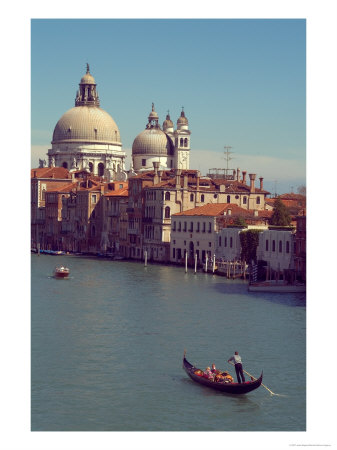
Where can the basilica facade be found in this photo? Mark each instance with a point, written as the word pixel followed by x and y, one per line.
pixel 87 138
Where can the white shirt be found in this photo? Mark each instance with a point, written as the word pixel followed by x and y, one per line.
pixel 236 359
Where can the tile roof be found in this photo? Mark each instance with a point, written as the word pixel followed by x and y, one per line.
pixel 123 192
pixel 50 172
pixel 214 209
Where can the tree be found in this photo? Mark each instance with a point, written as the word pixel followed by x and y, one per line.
pixel 239 221
pixel 249 241
pixel 281 215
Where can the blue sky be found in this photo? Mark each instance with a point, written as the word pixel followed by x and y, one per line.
pixel 242 83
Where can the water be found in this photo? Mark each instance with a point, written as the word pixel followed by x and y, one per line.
pixel 107 347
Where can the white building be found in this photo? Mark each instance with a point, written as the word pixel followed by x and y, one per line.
pixel 168 147
pixel 276 248
pixel 87 137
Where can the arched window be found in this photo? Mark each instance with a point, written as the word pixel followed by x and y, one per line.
pixel 191 197
pixel 167 212
pixel 228 198
pixel 167 196
pixel 100 169
pixel 91 167
pixel 65 165
pixel 280 246
pixel 202 199
pixel 181 142
pixel 287 247
pixel 273 246
pixel 185 142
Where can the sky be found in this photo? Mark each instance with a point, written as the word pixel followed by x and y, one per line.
pixel 242 84
pixel 41 72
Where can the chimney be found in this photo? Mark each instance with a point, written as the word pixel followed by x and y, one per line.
pixel 160 173
pixel 256 213
pixel 155 167
pixel 261 183
pixel 102 189
pixel 229 212
pixel 178 176
pixel 238 174
pixel 252 177
pixel 244 173
pixel 198 179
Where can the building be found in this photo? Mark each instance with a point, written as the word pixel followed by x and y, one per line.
pixel 87 137
pixel 169 147
pixel 300 248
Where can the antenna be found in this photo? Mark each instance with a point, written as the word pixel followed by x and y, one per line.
pixel 227 153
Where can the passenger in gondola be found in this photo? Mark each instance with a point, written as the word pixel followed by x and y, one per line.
pixel 227 378
pixel 214 369
pixel 208 374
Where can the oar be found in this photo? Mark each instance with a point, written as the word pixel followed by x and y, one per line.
pixel 272 393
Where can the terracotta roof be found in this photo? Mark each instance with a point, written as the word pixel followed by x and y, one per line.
pixel 61 187
pixel 50 172
pixel 214 209
pixel 124 192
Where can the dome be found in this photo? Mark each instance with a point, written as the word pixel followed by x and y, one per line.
pixel 88 79
pixel 152 141
pixel 182 119
pixel 86 124
pixel 167 122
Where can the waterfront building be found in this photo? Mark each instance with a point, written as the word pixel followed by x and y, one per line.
pixel 42 180
pixel 276 249
pixel 169 147
pixel 87 137
pixel 300 247
pixel 114 234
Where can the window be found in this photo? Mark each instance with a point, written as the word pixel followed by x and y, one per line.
pixel 210 244
pixel 179 226
pixel 204 227
pixel 225 241
pixel 93 198
pixel 185 226
pixel 210 227
pixel 287 247
pixel 185 142
pixel 280 246
pixel 202 199
pixel 191 198
pixel 91 167
pixel 244 200
pixel 231 242
pixel 191 227
pixel 228 198
pixel 198 227
pixel 143 162
pixel 174 226
pixel 258 200
pixel 181 142
pixel 273 246
pixel 267 245
pixel 167 196
pixel 100 169
pixel 219 241
pixel 167 212
pixel 65 165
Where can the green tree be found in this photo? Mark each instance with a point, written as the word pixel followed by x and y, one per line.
pixel 239 221
pixel 249 241
pixel 281 215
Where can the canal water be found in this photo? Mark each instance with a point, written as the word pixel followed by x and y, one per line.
pixel 107 347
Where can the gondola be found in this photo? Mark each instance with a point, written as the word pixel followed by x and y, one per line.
pixel 230 388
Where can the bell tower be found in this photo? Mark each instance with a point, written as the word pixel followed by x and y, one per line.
pixel 87 94
pixel 182 142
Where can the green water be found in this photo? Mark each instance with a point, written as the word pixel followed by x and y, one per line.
pixel 107 347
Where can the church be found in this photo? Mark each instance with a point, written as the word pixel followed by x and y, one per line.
pixel 87 138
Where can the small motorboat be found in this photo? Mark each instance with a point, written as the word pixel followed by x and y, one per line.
pixel 61 272
pixel 230 388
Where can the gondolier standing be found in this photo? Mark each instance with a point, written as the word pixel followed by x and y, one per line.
pixel 236 358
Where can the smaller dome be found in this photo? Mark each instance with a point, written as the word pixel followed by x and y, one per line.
pixel 153 115
pixel 88 78
pixel 182 119
pixel 152 142
pixel 168 122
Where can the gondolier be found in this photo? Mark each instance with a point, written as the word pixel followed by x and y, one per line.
pixel 236 358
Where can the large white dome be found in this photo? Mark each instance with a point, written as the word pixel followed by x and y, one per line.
pixel 87 124
pixel 152 141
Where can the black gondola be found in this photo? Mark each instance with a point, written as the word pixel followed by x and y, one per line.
pixel 230 388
